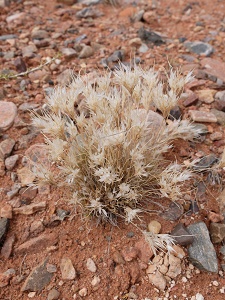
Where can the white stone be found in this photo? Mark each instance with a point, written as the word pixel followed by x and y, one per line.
pixel 91 265
pixel 67 269
pixel 95 281
pixel 83 292
pixel 199 297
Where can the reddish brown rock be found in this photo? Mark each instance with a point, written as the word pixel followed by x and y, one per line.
pixel 37 244
pixel 214 67
pixel 6 148
pixel 202 116
pixel 6 211
pixel 30 209
pixel 8 112
pixel 145 253
pixel 214 217
pixel 130 253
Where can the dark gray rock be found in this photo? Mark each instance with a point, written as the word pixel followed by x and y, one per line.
pixel 206 162
pixel 88 12
pixel 220 115
pixel 20 65
pixel 181 235
pixel 150 37
pixel 8 37
pixel 173 213
pixel 175 113
pixel 38 278
pixel 201 252
pixel 199 48
pixel 118 55
pixel 4 224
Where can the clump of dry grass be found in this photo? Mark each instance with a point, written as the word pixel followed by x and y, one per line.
pixel 109 155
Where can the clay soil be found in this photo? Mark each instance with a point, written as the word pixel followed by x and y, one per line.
pixel 78 239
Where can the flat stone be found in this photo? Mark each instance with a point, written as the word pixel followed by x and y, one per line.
pixel 30 209
pixel 38 279
pixel 37 244
pixel 39 34
pixel 181 235
pixel 28 193
pixel 174 266
pixel 206 162
pixel 202 116
pixel 214 67
pixel 150 36
pixel 6 148
pixel 7 247
pixel 217 232
pixel 67 269
pixel 8 112
pixel 216 136
pixel 8 37
pixel 220 116
pixel 4 225
pixel 173 213
pixel 11 161
pixel 65 77
pixel 86 52
pixel 199 48
pixel 91 266
pixel 41 75
pixel 206 96
pixel 69 53
pixel 29 51
pixel 53 295
pixel 88 12
pixel 25 176
pixel 201 252
pixel 15 17
pixel 158 280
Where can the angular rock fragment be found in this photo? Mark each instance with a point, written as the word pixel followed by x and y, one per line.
pixel 8 112
pixel 4 224
pixel 38 278
pixel 201 252
pixel 217 232
pixel 67 269
pixel 181 235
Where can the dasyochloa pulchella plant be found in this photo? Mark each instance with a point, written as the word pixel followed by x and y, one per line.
pixel 109 156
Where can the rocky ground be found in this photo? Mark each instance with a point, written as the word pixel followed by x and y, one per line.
pixel 47 250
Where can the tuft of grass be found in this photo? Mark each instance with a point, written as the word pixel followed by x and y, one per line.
pixel 107 142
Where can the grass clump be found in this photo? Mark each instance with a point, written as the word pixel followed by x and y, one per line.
pixel 107 143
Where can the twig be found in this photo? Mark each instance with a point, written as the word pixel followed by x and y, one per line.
pixel 8 76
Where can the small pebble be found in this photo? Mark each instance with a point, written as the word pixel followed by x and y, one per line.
pixel 83 292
